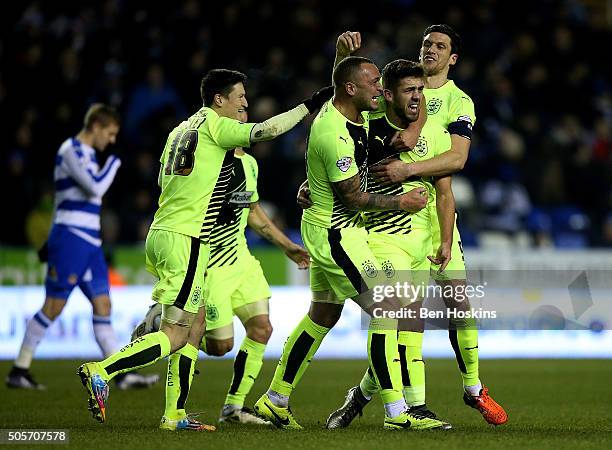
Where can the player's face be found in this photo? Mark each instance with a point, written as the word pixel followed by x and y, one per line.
pixel 235 103
pixel 406 98
pixel 367 88
pixel 436 53
pixel 104 135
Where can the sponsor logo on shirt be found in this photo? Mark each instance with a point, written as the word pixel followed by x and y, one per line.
pixel 241 199
pixel 344 163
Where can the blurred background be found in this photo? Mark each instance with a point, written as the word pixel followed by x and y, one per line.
pixel 536 191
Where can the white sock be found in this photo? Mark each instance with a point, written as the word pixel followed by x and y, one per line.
pixel 105 336
pixel 35 331
pixel 474 390
pixel 280 400
pixel 395 408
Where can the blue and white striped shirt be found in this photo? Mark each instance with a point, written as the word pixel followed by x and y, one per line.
pixel 79 187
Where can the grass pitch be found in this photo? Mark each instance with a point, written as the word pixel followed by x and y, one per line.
pixel 551 404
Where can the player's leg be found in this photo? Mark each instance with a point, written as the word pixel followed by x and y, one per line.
pixel 179 262
pixel 250 304
pixel 68 259
pixel 181 367
pixel 463 333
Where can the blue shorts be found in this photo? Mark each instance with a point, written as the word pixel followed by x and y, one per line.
pixel 74 261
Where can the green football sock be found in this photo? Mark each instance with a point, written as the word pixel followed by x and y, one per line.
pixel 464 339
pixel 181 366
pixel 384 359
pixel 299 349
pixel 247 365
pixel 410 347
pixel 368 384
pixel 141 352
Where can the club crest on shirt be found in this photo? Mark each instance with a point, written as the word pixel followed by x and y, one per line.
pixel 195 298
pixel 344 163
pixel 421 147
pixel 369 268
pixel 212 313
pixel 433 105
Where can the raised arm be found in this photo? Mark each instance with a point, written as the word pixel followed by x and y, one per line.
pixel 354 198
pixel 259 221
pixel 281 123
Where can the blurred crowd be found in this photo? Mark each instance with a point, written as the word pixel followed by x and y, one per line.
pixel 539 171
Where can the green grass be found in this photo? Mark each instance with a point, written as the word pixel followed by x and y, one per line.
pixel 551 404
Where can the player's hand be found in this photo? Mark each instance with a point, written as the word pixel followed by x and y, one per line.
pixel 315 102
pixel 303 196
pixel 442 258
pixel 298 255
pixel 392 171
pixel 348 42
pixel 415 200
pixel 404 141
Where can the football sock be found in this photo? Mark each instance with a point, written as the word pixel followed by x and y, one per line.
pixel 141 352
pixel 105 335
pixel 384 359
pixel 298 351
pixel 181 365
pixel 368 385
pixel 247 365
pixel 35 331
pixel 463 336
pixel 410 347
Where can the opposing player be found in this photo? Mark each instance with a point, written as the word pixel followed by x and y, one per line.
pixel 74 253
pixel 451 108
pixel 194 176
pixel 342 264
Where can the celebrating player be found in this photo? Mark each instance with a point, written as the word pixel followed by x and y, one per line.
pixel 342 264
pixel 74 253
pixel 194 176
pixel 451 108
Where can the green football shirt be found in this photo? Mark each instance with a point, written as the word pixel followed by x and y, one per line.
pixel 451 108
pixel 432 141
pixel 337 151
pixel 227 238
pixel 195 172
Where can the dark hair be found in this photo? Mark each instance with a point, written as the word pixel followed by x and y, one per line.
pixel 345 71
pixel 447 30
pixel 102 114
pixel 399 69
pixel 219 81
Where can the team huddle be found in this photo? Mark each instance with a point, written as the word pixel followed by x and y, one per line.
pixel 377 208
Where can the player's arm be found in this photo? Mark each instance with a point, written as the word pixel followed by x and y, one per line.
pixel 354 198
pixel 347 43
pixel 445 205
pixel 93 183
pixel 230 133
pixel 259 221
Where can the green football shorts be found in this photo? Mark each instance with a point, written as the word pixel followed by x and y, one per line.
pixel 455 270
pixel 403 257
pixel 239 289
pixel 179 263
pixel 342 265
